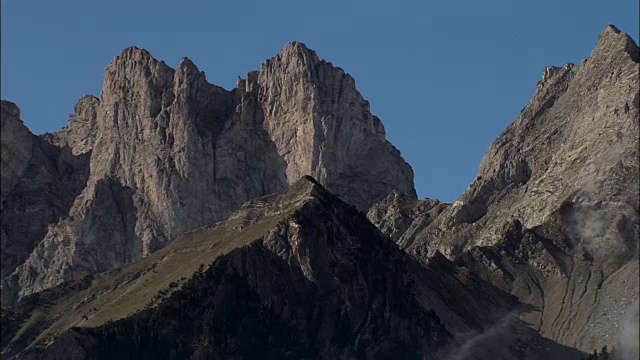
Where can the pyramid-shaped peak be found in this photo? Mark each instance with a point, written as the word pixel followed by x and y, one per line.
pixel 309 185
pixel 134 54
pixel 613 39
pixel 306 186
pixel 611 32
pixel 186 62
pixel 303 191
pixel 187 66
pixel 136 65
pixel 611 28
pixel 308 179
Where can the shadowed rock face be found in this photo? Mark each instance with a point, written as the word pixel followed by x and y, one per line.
pixel 560 187
pixel 39 184
pixel 167 152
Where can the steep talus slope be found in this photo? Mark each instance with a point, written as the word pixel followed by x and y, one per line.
pixel 298 274
pixel 168 152
pixel 575 299
pixel 553 215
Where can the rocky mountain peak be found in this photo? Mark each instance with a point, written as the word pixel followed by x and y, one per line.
pixel 309 185
pixel 84 102
pixel 611 39
pixel 10 111
pixel 296 53
pixel 331 117
pixel 168 152
pixel 555 202
pixel 80 133
pixel 187 67
pixel 131 55
pixel 304 193
pixel 133 64
pixel 16 146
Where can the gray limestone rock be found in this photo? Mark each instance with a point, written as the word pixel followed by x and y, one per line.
pixel 169 152
pixel 16 147
pixel 396 214
pixel 79 134
pixel 566 172
pixel 336 139
pixel 39 184
pixel 575 141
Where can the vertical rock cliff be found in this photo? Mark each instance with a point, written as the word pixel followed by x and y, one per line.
pixel 167 152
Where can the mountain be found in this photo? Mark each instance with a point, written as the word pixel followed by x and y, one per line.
pixel 175 219
pixel 162 151
pixel 297 274
pixel 553 215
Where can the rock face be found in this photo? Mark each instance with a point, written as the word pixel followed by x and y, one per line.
pixel 396 214
pixel 297 274
pixel 79 135
pixel 16 147
pixel 39 184
pixel 554 209
pixel 167 152
pixel 336 136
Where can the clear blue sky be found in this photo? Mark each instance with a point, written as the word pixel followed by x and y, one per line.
pixel 445 77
